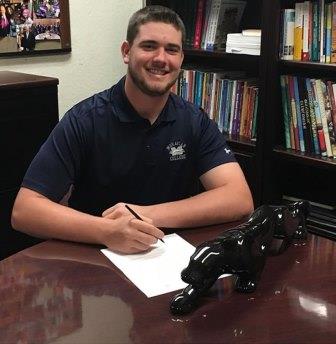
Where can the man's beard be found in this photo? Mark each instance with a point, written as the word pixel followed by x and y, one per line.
pixel 145 87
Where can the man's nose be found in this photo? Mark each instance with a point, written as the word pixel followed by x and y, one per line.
pixel 160 55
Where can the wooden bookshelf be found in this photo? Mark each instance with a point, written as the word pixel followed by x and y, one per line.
pixel 271 169
pixel 245 149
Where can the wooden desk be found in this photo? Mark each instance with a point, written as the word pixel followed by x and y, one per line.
pixel 70 293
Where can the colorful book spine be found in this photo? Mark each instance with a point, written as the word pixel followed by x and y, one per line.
pixel 293 112
pixel 298 113
pixel 321 100
pixel 312 117
pixel 285 103
pixel 304 115
pixel 322 34
pixel 305 36
pixel 298 30
pixel 328 9
pixel 315 56
pixel 328 111
pixel 319 126
pixel 333 34
pixel 199 24
pixel 288 34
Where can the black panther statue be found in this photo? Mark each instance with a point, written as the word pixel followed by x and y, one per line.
pixel 241 251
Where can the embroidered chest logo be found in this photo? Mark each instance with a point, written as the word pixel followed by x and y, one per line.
pixel 176 150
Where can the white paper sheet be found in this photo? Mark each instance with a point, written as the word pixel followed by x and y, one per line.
pixel 157 271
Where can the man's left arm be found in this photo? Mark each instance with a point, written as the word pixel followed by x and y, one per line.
pixel 227 198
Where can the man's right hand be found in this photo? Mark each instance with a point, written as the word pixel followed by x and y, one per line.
pixel 129 235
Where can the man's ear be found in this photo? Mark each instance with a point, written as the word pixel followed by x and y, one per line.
pixel 125 48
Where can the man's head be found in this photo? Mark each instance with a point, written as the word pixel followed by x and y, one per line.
pixel 155 13
pixel 153 50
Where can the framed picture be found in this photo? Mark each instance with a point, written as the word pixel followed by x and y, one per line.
pixel 34 27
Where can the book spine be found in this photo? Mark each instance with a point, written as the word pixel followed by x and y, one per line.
pixel 305 37
pixel 199 24
pixel 228 107
pixel 333 34
pixel 304 115
pixel 319 126
pixel 288 39
pixel 293 112
pixel 321 100
pixel 328 33
pixel 212 26
pixel 205 24
pixel 233 100
pixel 315 35
pixel 322 35
pixel 243 113
pixel 236 107
pixel 312 117
pixel 331 95
pixel 255 113
pixel 285 102
pixel 328 108
pixel 298 113
pixel 223 104
pixel 298 29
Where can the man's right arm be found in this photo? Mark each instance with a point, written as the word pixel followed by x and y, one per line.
pixel 38 216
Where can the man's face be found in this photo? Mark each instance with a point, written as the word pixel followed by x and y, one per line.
pixel 155 57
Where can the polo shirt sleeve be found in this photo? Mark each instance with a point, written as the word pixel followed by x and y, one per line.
pixel 57 164
pixel 212 149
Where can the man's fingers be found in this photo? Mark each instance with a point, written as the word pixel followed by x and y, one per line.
pixel 147 228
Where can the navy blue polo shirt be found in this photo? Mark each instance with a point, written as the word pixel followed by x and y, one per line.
pixel 109 153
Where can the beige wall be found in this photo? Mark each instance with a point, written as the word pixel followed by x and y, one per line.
pixel 97 29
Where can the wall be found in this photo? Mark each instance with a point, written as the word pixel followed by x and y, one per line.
pixel 97 30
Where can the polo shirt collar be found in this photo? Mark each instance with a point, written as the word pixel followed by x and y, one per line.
pixel 126 112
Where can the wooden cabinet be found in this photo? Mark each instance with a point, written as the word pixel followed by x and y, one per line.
pixel 28 113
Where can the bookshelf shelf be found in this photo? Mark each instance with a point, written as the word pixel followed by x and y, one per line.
pixel 304 158
pixel 327 70
pixel 220 59
pixel 239 143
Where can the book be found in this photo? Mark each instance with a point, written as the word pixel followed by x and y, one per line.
pixel 319 126
pixel 199 23
pixel 312 117
pixel 229 19
pixel 252 32
pixel 333 34
pixel 298 30
pixel 328 9
pixel 305 34
pixel 298 114
pixel 288 34
pixel 285 107
pixel 320 93
pixel 322 34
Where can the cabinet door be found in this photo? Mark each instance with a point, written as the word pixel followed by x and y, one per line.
pixel 27 118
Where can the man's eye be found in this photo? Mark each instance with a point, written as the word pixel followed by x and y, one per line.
pixel 172 50
pixel 148 47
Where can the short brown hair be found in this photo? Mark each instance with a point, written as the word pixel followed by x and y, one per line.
pixel 154 13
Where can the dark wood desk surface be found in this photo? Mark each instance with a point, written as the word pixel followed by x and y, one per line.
pixel 70 293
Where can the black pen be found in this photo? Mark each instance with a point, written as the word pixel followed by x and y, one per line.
pixel 136 216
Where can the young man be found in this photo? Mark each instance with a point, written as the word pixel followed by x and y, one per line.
pixel 135 144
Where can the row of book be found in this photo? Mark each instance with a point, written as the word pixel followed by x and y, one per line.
pixel 308 32
pixel 232 102
pixel 309 108
pixel 208 22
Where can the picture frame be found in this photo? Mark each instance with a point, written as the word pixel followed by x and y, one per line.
pixel 34 27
